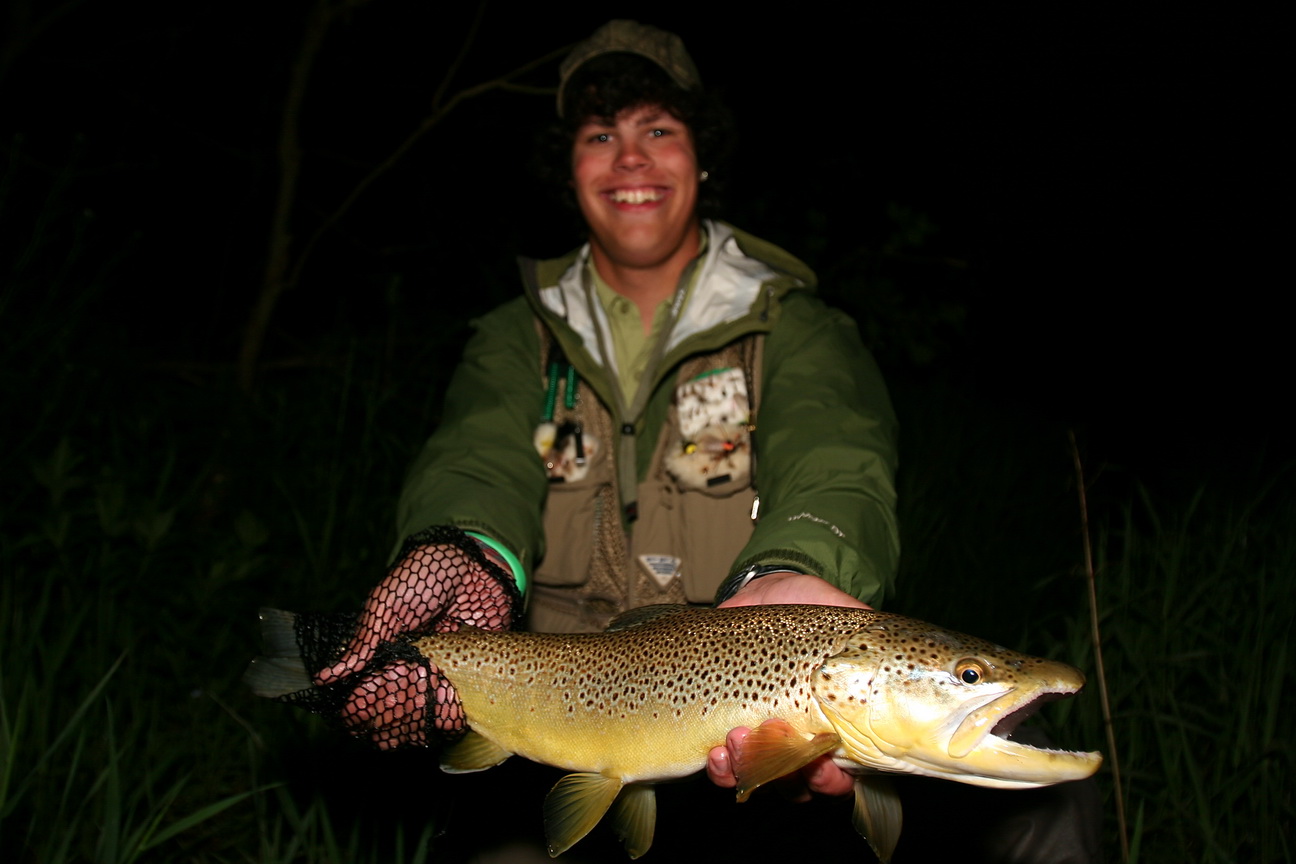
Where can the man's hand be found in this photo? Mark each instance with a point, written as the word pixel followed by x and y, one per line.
pixel 791 587
pixel 434 588
pixel 822 775
pixel 437 585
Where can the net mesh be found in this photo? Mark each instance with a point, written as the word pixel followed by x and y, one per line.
pixel 367 673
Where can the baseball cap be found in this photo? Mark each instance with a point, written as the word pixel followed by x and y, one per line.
pixel 630 37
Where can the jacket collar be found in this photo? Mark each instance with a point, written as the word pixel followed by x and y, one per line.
pixel 733 285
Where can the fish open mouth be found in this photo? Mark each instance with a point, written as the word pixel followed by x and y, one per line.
pixel 1008 756
pixel 1006 728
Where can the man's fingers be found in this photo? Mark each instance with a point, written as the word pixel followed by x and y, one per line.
pixel 825 777
pixel 734 740
pixel 719 768
pixel 354 659
pixel 393 698
pixel 821 776
pixel 721 759
pixel 373 630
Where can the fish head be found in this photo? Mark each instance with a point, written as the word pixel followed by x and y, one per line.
pixel 906 696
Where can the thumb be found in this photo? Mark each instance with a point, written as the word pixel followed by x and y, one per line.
pixel 359 651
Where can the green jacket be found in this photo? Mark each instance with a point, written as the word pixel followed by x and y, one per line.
pixel 824 439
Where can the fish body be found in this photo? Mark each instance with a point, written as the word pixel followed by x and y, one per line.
pixel 646 702
pixel 648 699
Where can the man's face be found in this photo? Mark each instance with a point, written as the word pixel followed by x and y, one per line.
pixel 636 181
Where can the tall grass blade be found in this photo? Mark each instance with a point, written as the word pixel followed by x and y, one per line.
pixel 1112 758
pixel 71 726
pixel 154 838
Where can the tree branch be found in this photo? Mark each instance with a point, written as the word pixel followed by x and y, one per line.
pixel 283 270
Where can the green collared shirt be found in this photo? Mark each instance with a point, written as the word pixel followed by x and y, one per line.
pixel 631 346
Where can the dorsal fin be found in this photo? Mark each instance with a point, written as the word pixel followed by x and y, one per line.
pixel 575 805
pixel 642 615
pixel 773 750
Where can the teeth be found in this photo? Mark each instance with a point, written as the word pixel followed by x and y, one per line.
pixel 635 196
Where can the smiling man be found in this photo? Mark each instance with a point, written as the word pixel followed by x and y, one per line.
pixel 599 446
pixel 667 415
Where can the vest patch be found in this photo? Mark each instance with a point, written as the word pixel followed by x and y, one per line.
pixel 714 446
pixel 664 569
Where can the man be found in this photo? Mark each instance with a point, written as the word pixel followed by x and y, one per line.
pixel 667 414
pixel 688 368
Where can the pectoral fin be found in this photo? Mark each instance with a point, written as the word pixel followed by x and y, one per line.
pixel 877 814
pixel 635 817
pixel 473 752
pixel 774 749
pixel 575 805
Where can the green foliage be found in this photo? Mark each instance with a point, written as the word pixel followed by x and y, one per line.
pixel 1196 601
pixel 1197 606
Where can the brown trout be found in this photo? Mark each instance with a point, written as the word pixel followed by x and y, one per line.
pixel 646 701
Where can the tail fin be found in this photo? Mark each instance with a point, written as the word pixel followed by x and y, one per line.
pixel 281 670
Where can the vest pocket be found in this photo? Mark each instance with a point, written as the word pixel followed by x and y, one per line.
pixel 705 532
pixel 714 532
pixel 571 523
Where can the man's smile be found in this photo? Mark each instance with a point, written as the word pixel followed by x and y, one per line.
pixel 638 195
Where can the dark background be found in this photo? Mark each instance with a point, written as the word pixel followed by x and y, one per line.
pixel 1064 211
pixel 1043 218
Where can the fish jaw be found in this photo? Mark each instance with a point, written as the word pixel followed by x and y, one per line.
pixel 908 697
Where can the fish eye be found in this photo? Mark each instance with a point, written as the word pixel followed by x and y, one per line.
pixel 970 671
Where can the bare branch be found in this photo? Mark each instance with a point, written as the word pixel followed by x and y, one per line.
pixel 504 82
pixel 283 270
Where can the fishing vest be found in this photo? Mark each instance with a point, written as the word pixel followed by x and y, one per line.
pixel 694 508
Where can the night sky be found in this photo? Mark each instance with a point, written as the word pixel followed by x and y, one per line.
pixel 1104 183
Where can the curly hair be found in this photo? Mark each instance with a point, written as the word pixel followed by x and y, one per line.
pixel 609 84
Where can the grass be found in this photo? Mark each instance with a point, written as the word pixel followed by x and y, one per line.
pixel 1198 609
pixel 149 514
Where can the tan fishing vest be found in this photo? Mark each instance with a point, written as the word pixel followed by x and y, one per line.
pixel 694 507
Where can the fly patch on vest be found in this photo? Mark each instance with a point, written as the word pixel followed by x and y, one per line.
pixel 711 438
